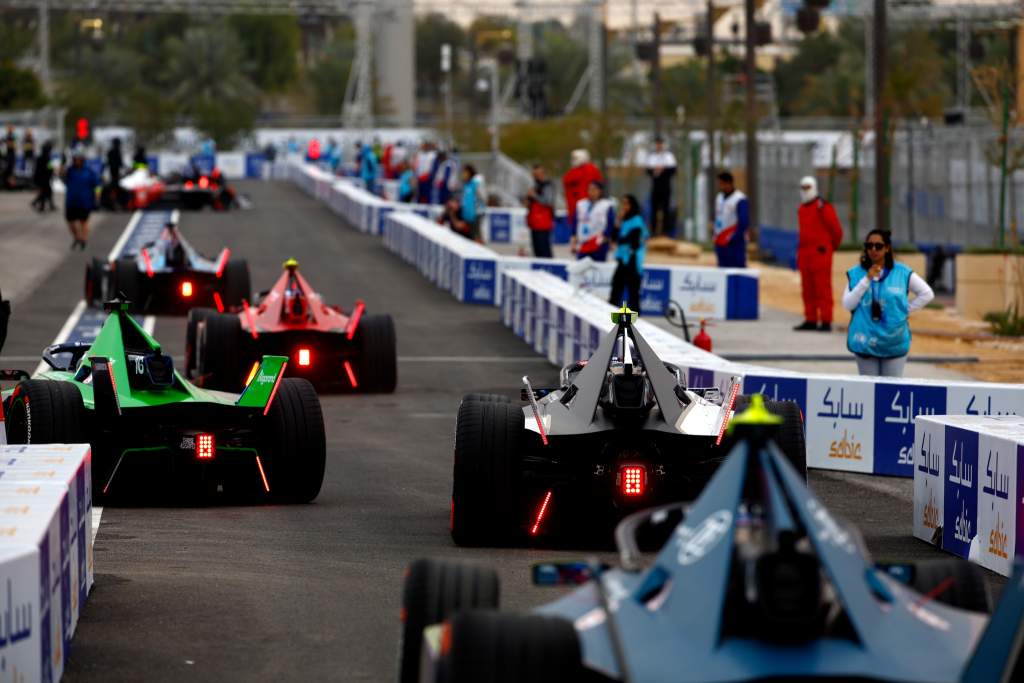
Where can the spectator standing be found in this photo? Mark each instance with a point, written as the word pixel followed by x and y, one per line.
pixel 139 159
pixel 630 250
pixel 473 200
pixel 661 167
pixel 578 179
pixel 820 235
pixel 424 167
pixel 80 198
pixel 540 212
pixel 732 219
pixel 406 184
pixel 10 157
pixel 42 178
pixel 595 220
pixel 368 166
pixel 877 296
pixel 28 151
pixel 446 176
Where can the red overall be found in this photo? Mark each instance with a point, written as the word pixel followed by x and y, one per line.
pixel 820 235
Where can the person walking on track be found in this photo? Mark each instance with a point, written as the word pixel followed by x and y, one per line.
pixel 877 296
pixel 820 235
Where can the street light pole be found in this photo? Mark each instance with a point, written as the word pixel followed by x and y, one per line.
pixel 750 70
pixel 879 46
pixel 712 111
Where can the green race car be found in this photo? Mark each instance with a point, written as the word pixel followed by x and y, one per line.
pixel 153 432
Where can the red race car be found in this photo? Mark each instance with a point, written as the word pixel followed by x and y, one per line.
pixel 332 348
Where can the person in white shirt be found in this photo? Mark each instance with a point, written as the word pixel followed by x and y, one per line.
pixel 661 167
pixel 878 298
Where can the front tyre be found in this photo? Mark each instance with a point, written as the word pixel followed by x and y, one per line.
pixel 434 591
pixel 485 501
pixel 195 316
pixel 128 283
pixel 378 355
pixel 298 446
pixel 94 282
pixel 44 411
pixel 236 283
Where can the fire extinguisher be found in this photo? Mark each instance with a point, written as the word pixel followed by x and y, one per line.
pixel 703 339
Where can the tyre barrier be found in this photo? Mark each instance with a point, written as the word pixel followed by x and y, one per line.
pixel 46 554
pixel 471 272
pixel 854 424
pixel 968 487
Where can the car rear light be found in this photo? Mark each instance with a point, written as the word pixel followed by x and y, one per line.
pixel 633 480
pixel 205 446
pixel 204 182
pixel 218 302
pixel 188 184
pixel 252 373
pixel 541 511
pixel 351 375
pixel 149 263
pixel 305 358
pixel 186 289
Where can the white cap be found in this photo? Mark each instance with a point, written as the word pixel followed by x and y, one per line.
pixel 579 157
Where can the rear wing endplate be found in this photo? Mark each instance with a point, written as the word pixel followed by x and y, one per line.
pixel 261 385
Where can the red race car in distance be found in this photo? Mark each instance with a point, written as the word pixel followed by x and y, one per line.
pixel 333 349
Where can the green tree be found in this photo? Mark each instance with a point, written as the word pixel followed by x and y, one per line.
pixel 209 85
pixel 19 88
pixel 433 31
pixel 270 46
pixel 566 60
pixel 328 78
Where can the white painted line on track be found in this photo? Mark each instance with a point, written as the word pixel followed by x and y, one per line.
pixel 430 416
pixel 69 324
pixel 472 359
pixel 97 515
pixel 127 233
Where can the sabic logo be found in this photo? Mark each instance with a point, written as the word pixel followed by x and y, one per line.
pixel 846 448
pixel 478 271
pixel 997 540
pixel 962 528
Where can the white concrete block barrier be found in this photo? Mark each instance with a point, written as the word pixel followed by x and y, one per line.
pixel 853 423
pixel 46 551
pixel 969 486
pixel 702 291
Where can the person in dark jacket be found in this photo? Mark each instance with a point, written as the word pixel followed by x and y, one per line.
pixel 661 167
pixel 42 178
pixel 540 212
pixel 630 249
pixel 80 199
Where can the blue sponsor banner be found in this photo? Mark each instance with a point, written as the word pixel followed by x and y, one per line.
pixel 960 496
pixel 896 406
pixel 741 297
pixel 254 165
pixel 559 270
pixel 700 378
pixel 500 226
pixel 204 162
pixel 778 388
pixel 654 291
pixel 479 281
pixel 153 162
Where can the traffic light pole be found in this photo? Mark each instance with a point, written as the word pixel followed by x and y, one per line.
pixel 712 112
pixel 656 76
pixel 750 70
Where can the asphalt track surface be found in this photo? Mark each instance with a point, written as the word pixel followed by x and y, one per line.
pixel 312 592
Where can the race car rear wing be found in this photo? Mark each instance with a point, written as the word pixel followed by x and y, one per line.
pixel 261 385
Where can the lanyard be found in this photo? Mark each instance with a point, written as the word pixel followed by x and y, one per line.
pixel 875 285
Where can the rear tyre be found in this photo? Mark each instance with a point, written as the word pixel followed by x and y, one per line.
pixel 790 437
pixel 236 282
pixel 298 447
pixel 195 316
pixel 486 473
pixel 218 352
pixel 94 282
pixel 128 283
pixel 434 591
pixel 45 411
pixel 378 357
pixel 487 398
pixel 956 582
pixel 491 646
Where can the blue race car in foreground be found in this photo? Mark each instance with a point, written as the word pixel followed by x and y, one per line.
pixel 758 582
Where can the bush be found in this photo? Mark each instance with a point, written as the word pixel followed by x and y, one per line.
pixel 1008 323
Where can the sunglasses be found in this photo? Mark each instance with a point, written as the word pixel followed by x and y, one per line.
pixel 874 246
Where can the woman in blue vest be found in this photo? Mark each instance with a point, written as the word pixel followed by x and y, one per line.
pixel 471 203
pixel 631 247
pixel 878 298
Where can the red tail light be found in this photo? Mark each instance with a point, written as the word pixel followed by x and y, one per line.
pixel 204 182
pixel 541 511
pixel 305 358
pixel 351 375
pixel 186 289
pixel 205 446
pixel 633 480
pixel 188 184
